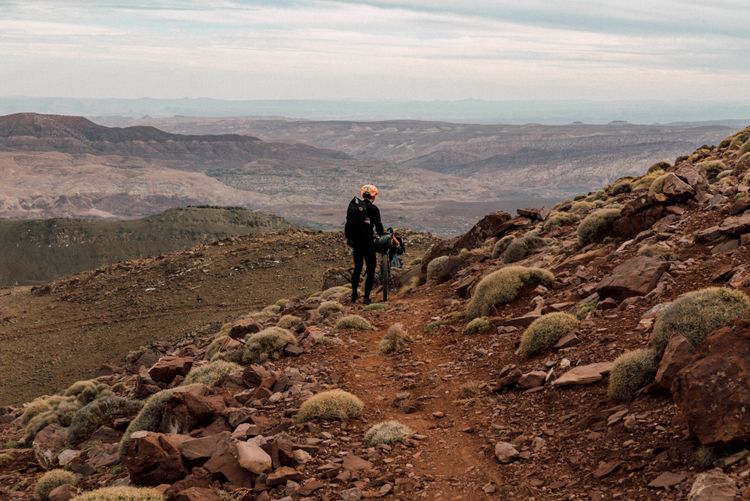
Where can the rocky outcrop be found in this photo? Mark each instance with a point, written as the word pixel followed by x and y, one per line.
pixel 713 390
pixel 169 367
pixel 677 355
pixel 635 277
pixel 154 458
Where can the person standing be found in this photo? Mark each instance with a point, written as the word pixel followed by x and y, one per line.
pixel 362 224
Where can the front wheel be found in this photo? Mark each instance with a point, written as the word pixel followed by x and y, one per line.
pixel 385 276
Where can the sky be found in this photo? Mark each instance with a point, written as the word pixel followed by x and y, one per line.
pixel 377 49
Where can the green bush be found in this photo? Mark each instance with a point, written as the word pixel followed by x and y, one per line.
pixel 631 372
pixel 86 391
pixel 478 325
pixel 267 344
pixel 328 308
pixel 395 340
pixel 658 167
pixel 102 411
pixel 503 286
pixel 501 245
pixel 5 459
pixel 436 267
pixel 211 373
pixel 558 219
pixel 339 290
pixel 375 307
pixel 353 322
pixel 59 410
pixel 332 404
pixel 519 248
pixel 711 168
pixel 581 206
pixel 597 225
pixel 697 314
pixel 623 185
pixel 387 432
pixel 121 494
pixel 52 479
pixel 289 321
pixel 545 332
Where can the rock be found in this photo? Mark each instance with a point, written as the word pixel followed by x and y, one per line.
pixel 736 225
pixel 713 485
pixel 202 448
pixel 713 390
pixel 243 327
pixel 534 214
pixel 103 456
pixel 253 458
pixel 636 216
pixel 283 475
pixel 62 493
pixel 224 463
pixel 532 379
pixel 691 176
pixel 725 246
pixel 584 374
pixel 154 458
pixel 676 189
pixel 505 452
pixel 309 486
pixel 68 456
pixel 257 375
pixel 353 462
pixel 667 479
pixel 635 277
pixel 189 408
pixel 353 494
pixel 567 341
pixel 449 269
pixel 197 494
pixel 294 350
pixel 47 445
pixel 169 367
pixel 676 355
pixel 605 468
pixel 509 380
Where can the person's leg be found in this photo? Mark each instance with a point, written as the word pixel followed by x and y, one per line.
pixel 357 272
pixel 371 261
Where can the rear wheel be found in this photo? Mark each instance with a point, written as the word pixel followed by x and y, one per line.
pixel 385 275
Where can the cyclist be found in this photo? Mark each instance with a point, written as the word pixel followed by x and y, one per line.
pixel 362 240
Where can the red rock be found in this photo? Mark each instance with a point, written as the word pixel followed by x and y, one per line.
pixel 713 485
pixel 197 494
pixel 47 445
pixel 584 374
pixel 243 327
pixel 532 379
pixel 62 493
pixel 283 475
pixel 676 355
pixel 667 479
pixel 154 458
pixel 224 464
pixel 637 215
pixel 676 189
pixel 257 375
pixel 635 277
pixel 355 463
pixel 189 408
pixel 169 367
pixel 736 225
pixel 713 390
pixel 204 447
pixel 691 176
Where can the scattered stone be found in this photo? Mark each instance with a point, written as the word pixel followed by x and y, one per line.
pixel 154 458
pixel 62 493
pixel 68 456
pixel 667 480
pixel 635 277
pixel 676 355
pixel 253 458
pixel 713 485
pixel 47 445
pixel 532 379
pixel 606 468
pixel 567 341
pixel 198 494
pixel 505 452
pixel 353 494
pixel 584 374
pixel 736 225
pixel 169 367
pixel 283 475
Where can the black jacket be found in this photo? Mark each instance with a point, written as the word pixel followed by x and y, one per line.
pixel 373 214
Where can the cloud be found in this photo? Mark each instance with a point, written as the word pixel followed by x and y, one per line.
pixel 415 49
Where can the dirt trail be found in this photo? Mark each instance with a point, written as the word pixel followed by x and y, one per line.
pixel 451 457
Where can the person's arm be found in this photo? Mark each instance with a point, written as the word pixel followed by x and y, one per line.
pixel 375 220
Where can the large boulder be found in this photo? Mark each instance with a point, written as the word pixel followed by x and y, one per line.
pixel 691 176
pixel 47 445
pixel 635 277
pixel 713 485
pixel 736 225
pixel 713 390
pixel 677 355
pixel 676 189
pixel 154 458
pixel 169 367
pixel 637 215
pixel 190 408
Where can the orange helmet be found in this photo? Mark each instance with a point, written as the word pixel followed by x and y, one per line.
pixel 369 189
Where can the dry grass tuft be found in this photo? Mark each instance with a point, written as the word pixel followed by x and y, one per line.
pixel 503 286
pixel 289 321
pixel 545 331
pixel 211 373
pixel 121 493
pixel 501 245
pixel 436 267
pixel 332 404
pixel 395 340
pixel 478 325
pixel 631 372
pixel 597 225
pixel 328 308
pixel 102 411
pixel 353 322
pixel 387 432
pixel 268 344
pixel 52 479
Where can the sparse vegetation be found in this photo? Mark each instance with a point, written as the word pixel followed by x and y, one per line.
pixel 86 391
pixel 102 411
pixel 338 291
pixel 657 185
pixel 658 167
pixel 268 344
pixel 211 373
pixel 395 340
pixel 436 267
pixel 660 250
pixel 581 206
pixel 622 185
pixel 387 432
pixel 332 404
pixel 478 325
pixel 121 493
pixel 503 286
pixel 446 320
pixel 353 322
pixel 545 331
pixel 704 457
pixel 5 459
pixel 45 411
pixel 328 308
pixel 698 313
pixel 558 219
pixel 631 372
pixel 289 321
pixel 52 479
pixel 584 309
pixel 375 307
pixel 501 245
pixel 711 168
pixel 597 225
pixel 224 348
pixel 519 248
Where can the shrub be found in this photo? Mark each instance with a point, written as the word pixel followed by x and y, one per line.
pixel 52 479
pixel 697 314
pixel 5 459
pixel 501 245
pixel 85 391
pixel 353 322
pixel 745 148
pixel 446 320
pixel 597 225
pixel 558 219
pixel 436 267
pixel 337 291
pixel 395 340
pixel 375 307
pixel 503 286
pixel 289 321
pixel 36 407
pixel 631 372
pixel 149 418
pixel 545 331
pixel 659 250
pixel 224 348
pixel 657 185
pixel 387 432
pixel 121 494
pixel 581 206
pixel 711 168
pixel 60 410
pixel 331 404
pixel 522 247
pixel 479 324
pixel 658 167
pixel 328 308
pixel 211 373
pixel 623 185
pixel 267 344
pixel 644 182
pixel 100 412
pixel 584 309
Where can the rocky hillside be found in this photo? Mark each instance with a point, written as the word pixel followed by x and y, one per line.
pixel 36 251
pixel 597 351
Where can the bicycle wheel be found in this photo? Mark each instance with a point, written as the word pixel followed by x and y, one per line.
pixel 385 275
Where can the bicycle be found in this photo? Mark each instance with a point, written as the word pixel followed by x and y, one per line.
pixel 389 246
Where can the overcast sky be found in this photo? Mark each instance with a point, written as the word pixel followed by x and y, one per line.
pixel 377 49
